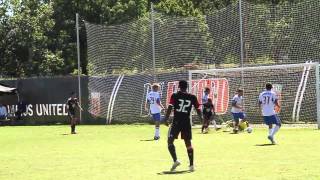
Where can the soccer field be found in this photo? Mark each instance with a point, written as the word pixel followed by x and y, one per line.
pixel 126 152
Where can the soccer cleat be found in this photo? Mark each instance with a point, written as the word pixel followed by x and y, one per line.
pixel 175 165
pixel 235 131
pixel 271 139
pixel 191 168
pixel 156 138
pixel 73 132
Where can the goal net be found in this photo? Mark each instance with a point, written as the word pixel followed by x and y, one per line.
pixel 124 59
pixel 297 87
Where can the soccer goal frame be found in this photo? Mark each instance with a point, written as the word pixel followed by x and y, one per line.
pixel 306 66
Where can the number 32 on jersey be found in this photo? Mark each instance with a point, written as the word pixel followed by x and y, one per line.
pixel 183 105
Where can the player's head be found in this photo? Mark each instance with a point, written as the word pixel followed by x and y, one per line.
pixel 183 85
pixel 155 87
pixel 240 92
pixel 73 94
pixel 268 86
pixel 206 90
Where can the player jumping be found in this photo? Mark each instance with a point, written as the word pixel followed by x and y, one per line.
pixel 237 109
pixel 72 104
pixel 181 102
pixel 267 101
pixel 153 98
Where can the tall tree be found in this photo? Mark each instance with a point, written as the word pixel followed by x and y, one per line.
pixel 25 45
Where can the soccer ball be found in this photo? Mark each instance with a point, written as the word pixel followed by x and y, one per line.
pixel 249 130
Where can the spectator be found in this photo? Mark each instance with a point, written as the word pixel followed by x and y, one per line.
pixel 3 112
pixel 22 108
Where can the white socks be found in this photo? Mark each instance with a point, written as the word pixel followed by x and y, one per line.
pixel 270 131
pixel 157 132
pixel 275 130
pixel 214 124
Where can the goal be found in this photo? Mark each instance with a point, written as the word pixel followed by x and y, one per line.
pixel 297 86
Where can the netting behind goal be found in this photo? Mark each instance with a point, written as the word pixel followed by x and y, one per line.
pixel 122 65
pixel 282 33
pixel 121 68
pixel 295 85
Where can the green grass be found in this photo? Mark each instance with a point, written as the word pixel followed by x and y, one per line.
pixel 122 152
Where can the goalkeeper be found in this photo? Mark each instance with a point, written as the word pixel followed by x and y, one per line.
pixel 243 124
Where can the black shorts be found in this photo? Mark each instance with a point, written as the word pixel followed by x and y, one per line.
pixel 185 130
pixel 71 114
pixel 208 115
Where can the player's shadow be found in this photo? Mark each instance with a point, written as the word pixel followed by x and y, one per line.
pixel 265 144
pixel 147 140
pixel 233 133
pixel 65 134
pixel 174 172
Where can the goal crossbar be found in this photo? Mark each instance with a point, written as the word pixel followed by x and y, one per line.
pixel 284 66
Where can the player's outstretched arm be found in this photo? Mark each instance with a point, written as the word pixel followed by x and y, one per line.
pixel 276 103
pixel 168 112
pixel 160 104
pixel 79 106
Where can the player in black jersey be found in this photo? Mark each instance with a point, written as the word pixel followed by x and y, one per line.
pixel 208 113
pixel 181 102
pixel 72 104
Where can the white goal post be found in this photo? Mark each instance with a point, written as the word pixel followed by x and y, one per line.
pixel 297 85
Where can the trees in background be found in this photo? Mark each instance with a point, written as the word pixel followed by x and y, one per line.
pixel 37 37
pixel 25 40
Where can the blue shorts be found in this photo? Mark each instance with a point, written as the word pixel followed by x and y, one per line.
pixel 274 119
pixel 237 116
pixel 156 117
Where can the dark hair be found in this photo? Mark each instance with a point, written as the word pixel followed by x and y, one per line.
pixel 206 89
pixel 154 86
pixel 183 84
pixel 240 90
pixel 268 86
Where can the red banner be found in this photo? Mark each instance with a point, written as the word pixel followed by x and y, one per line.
pixel 95 103
pixel 219 92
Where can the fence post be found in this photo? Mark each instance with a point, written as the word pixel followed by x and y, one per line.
pixel 153 43
pixel 78 53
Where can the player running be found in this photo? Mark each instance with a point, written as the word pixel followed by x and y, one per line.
pixel 153 98
pixel 72 104
pixel 181 102
pixel 205 103
pixel 237 109
pixel 208 113
pixel 267 101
